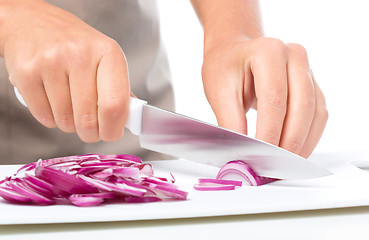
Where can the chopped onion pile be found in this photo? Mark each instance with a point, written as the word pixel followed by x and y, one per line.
pixel 88 180
pixel 232 175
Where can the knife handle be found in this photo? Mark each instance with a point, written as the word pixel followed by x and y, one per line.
pixel 19 96
pixel 134 120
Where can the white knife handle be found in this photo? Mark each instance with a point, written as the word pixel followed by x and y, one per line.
pixel 134 120
pixel 19 96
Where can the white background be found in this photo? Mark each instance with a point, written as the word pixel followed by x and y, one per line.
pixel 336 36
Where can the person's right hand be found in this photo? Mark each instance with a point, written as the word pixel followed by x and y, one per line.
pixel 70 75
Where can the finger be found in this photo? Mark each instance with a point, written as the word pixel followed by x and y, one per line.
pixel 113 92
pixel 58 92
pixel 301 100
pixel 82 83
pixel 226 100
pixel 230 114
pixel 34 95
pixel 319 122
pixel 270 81
pixel 132 95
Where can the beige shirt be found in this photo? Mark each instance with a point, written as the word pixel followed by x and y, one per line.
pixel 134 25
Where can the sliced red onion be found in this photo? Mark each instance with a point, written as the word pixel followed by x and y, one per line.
pixel 126 172
pixel 160 181
pixel 141 199
pixel 146 169
pixel 34 196
pixel 102 175
pixel 39 182
pixel 220 181
pixel 173 179
pixel 169 192
pixel 232 174
pixel 13 196
pixel 36 188
pixel 117 187
pixel 88 180
pixel 64 181
pixel 239 170
pixel 122 157
pixel 85 201
pixel 213 187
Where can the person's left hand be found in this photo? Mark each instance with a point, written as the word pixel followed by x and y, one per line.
pixel 275 79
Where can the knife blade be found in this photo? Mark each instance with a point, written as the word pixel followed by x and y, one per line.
pixel 183 137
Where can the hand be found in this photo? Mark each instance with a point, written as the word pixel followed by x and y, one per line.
pixel 272 77
pixel 70 75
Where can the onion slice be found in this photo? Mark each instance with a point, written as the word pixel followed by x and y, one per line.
pixel 231 175
pixel 88 180
pixel 212 187
pixel 239 170
pixel 221 181
pixel 13 196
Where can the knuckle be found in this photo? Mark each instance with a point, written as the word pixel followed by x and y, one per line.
pixel 110 45
pixel 112 108
pixel 293 145
pixel 273 45
pixel 270 136
pixel 112 136
pixel 87 122
pixel 277 100
pixel 23 74
pixel 298 50
pixel 51 57
pixel 45 118
pixel 65 122
pixel 76 50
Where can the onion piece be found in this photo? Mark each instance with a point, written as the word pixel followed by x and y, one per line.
pixel 239 170
pixel 221 181
pixel 85 201
pixel 213 187
pixel 34 196
pixel 126 172
pixel 168 192
pixel 36 188
pixel 13 196
pixel 141 199
pixel 88 180
pixel 64 181
pixel 232 174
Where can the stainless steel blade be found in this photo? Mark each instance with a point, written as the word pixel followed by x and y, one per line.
pixel 187 138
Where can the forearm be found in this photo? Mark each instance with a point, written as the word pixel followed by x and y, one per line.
pixel 233 20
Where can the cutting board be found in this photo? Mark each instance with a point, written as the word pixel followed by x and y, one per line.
pixel 348 186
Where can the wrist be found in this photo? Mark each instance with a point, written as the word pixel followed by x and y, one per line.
pixel 230 33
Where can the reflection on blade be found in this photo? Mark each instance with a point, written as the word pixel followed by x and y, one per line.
pixel 183 137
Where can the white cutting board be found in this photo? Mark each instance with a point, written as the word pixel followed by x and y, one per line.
pixel 347 187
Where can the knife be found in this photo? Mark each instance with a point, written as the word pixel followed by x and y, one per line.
pixel 183 137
